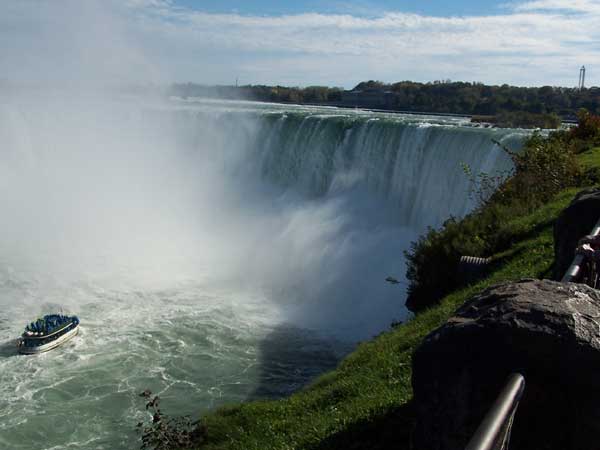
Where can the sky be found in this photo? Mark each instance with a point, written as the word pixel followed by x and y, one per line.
pixel 370 8
pixel 300 43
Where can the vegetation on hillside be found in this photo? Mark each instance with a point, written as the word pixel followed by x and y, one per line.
pixel 546 166
pixel 367 401
pixel 481 99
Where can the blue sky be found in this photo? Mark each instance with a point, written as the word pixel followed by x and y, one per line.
pixel 365 7
pixel 300 43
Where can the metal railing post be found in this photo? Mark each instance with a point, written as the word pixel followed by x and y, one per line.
pixel 496 426
pixel 575 268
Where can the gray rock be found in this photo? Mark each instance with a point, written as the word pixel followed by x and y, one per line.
pixel 575 222
pixel 549 332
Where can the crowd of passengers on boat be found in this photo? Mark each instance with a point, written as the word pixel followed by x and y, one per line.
pixel 48 329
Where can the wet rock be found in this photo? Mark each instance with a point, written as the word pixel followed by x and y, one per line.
pixel 575 222
pixel 546 330
pixel 146 393
pixel 153 403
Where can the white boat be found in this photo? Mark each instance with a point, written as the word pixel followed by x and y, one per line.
pixel 47 333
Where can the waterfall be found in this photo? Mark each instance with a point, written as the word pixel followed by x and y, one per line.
pixel 322 201
pixel 416 164
pixel 189 237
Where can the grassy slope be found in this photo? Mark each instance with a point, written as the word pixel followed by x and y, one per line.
pixel 366 401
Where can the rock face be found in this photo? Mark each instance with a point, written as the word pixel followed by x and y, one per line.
pixel 576 221
pixel 549 332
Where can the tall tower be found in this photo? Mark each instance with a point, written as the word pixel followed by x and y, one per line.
pixel 582 77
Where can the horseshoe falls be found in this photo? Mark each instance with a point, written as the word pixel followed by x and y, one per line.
pixel 214 251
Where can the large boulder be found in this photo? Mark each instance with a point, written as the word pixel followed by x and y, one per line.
pixel 575 222
pixel 549 332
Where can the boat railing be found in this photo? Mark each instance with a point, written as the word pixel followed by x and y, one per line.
pixel 495 429
pixel 54 332
pixel 36 341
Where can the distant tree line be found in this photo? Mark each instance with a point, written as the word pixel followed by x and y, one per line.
pixel 262 93
pixel 481 99
pixel 505 105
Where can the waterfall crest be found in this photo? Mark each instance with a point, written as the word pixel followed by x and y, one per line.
pixel 415 163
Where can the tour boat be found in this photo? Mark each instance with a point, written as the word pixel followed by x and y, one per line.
pixel 47 333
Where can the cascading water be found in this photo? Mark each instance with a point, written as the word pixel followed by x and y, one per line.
pixel 214 251
pixel 417 163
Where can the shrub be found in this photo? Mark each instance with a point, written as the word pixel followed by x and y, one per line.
pixel 546 166
pixel 588 126
pixel 432 262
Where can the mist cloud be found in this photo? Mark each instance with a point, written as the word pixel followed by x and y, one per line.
pixel 72 43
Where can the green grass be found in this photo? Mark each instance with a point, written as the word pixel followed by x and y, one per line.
pixel 591 158
pixel 366 401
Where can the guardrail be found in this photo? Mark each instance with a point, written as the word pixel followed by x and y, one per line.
pixel 494 432
pixel 574 272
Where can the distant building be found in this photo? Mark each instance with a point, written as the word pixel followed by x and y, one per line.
pixel 369 98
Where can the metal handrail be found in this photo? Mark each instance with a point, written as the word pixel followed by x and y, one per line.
pixel 574 269
pixel 497 424
pixel 494 431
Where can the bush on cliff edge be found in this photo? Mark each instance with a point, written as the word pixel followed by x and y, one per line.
pixel 544 167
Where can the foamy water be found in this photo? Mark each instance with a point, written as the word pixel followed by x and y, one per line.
pixel 214 251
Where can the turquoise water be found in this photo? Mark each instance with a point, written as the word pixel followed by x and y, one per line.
pixel 195 350
pixel 215 251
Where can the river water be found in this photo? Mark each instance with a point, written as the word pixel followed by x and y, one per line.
pixel 214 251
